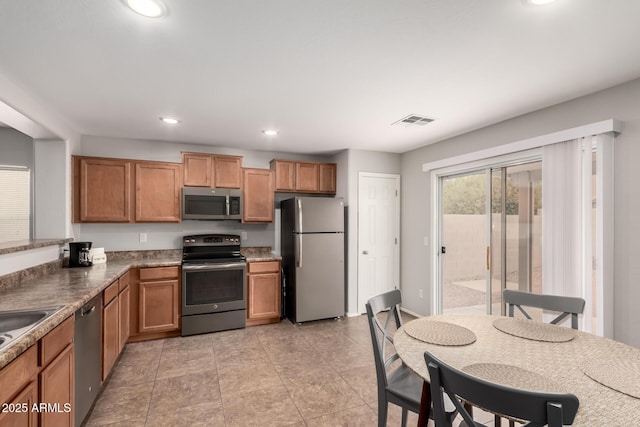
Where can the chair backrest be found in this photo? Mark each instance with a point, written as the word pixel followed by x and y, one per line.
pixel 565 305
pixel 538 408
pixel 381 334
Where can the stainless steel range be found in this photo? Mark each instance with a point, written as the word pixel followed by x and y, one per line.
pixel 213 284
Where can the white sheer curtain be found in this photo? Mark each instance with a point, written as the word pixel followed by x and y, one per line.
pixel 566 221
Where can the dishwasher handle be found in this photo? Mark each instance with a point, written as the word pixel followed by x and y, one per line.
pixel 87 311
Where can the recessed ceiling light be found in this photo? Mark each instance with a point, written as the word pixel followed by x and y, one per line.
pixel 270 132
pixel 540 2
pixel 148 8
pixel 170 120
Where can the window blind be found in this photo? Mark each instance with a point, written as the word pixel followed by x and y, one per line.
pixel 15 202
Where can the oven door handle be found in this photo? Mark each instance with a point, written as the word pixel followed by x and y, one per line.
pixel 212 266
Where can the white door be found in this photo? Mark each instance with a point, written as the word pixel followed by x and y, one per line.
pixel 378 235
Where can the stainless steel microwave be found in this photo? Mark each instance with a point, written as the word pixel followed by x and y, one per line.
pixel 211 203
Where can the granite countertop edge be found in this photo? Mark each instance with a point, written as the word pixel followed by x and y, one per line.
pixel 266 256
pixel 57 290
pixel 25 245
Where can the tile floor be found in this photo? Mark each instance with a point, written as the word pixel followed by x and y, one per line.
pixel 316 374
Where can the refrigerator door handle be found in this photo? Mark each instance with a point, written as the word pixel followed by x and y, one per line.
pixel 299 216
pixel 299 251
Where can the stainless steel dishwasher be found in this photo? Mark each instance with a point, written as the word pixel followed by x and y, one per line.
pixel 88 356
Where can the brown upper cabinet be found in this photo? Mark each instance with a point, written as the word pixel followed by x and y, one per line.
pixel 197 170
pixel 304 177
pixel 212 170
pixel 157 192
pixel 285 174
pixel 102 190
pixel 122 190
pixel 327 179
pixel 258 190
pixel 307 177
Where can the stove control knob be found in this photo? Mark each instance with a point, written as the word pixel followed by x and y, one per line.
pixel 193 240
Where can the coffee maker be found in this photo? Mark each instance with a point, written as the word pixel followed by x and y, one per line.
pixel 80 254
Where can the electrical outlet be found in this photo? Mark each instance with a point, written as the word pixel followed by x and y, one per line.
pixel 243 235
pixel 143 237
pixel 420 293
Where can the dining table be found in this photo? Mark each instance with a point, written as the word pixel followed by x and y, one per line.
pixel 604 374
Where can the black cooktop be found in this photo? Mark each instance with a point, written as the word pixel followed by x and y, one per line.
pixel 212 248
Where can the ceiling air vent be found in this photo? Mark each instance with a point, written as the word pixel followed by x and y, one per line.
pixel 414 120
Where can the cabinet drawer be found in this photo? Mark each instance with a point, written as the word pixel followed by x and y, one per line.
pixel 18 373
pixel 55 341
pixel 123 281
pixel 264 267
pixel 110 293
pixel 158 273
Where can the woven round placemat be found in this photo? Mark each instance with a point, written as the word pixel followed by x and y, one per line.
pixel 440 333
pixel 512 376
pixel 622 375
pixel 536 331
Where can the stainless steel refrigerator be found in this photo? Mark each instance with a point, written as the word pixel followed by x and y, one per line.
pixel 312 245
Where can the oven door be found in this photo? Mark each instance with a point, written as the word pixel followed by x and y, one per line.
pixel 213 288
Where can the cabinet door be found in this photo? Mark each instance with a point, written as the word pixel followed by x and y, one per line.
pixel 264 296
pixel 197 170
pixel 157 192
pixel 159 306
pixel 26 399
pixel 327 173
pixel 123 318
pixel 227 171
pixel 105 190
pixel 285 175
pixel 258 195
pixel 57 387
pixel 110 346
pixel 307 177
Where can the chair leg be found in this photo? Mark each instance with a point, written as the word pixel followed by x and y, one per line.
pixel 383 407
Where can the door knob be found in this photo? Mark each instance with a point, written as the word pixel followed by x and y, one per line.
pixel 365 252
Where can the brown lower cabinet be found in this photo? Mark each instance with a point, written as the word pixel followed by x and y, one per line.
pixel 115 321
pixel 155 303
pixel 263 292
pixel 19 390
pixel 38 386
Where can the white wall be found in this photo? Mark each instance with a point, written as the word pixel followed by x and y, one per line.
pixel 620 102
pixel 39 121
pixel 16 148
pixel 114 237
pixel 361 161
pixel 51 204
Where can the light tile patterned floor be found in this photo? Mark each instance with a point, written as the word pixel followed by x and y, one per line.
pixel 316 374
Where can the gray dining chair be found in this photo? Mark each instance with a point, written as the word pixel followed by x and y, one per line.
pixel 538 408
pixel 567 306
pixel 397 384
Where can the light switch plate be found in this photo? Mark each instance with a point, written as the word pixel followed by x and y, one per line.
pixel 143 237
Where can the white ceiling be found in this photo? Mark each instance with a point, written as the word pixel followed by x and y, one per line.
pixel 329 74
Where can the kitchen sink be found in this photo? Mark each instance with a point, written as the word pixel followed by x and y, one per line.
pixel 15 323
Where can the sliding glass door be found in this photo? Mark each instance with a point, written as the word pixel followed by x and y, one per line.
pixel 490 236
pixel 463 242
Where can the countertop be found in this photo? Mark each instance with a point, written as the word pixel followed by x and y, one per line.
pixel 257 254
pixel 68 287
pixel 71 288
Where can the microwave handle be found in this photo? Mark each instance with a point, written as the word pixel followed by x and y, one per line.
pixel 227 202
